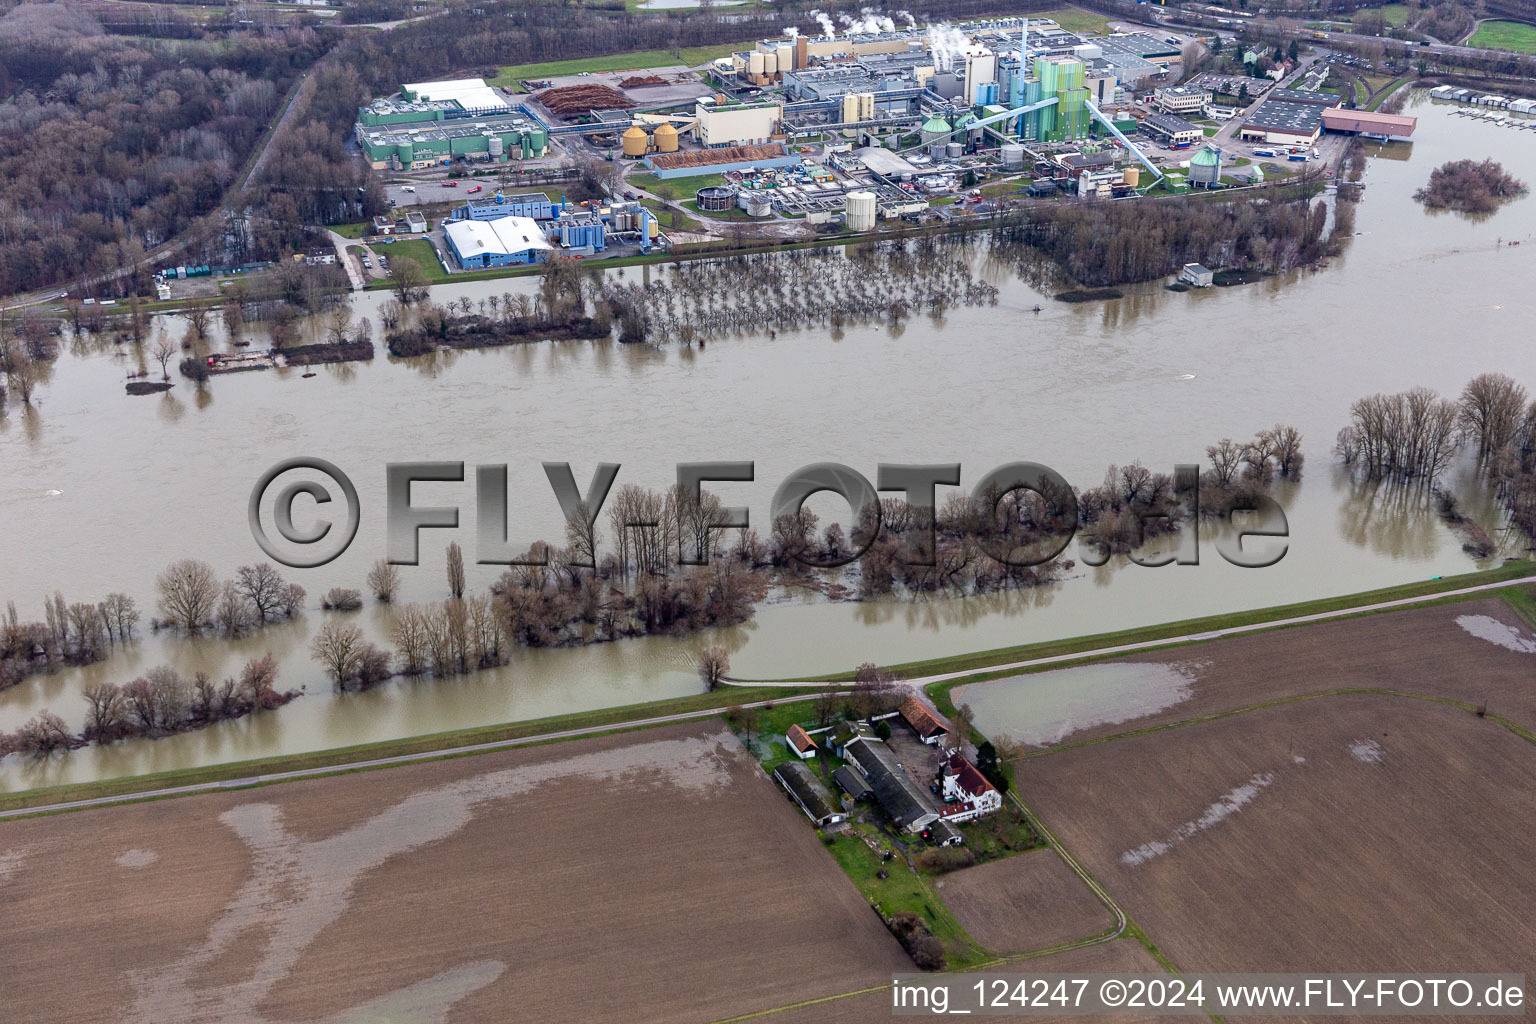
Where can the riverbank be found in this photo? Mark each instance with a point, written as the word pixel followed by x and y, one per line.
pixel 456 743
pixel 257 772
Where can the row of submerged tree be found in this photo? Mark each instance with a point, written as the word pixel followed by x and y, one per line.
pixel 1411 438
pixel 159 703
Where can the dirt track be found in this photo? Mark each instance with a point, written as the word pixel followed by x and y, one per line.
pixel 451 891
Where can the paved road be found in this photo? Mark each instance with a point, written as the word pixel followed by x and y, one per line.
pixel 380 762
pixel 1214 634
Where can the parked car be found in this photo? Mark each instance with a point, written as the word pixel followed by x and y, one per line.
pixel 408 188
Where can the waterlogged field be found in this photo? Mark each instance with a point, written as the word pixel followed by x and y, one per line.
pixel 448 891
pixel 1380 830
pixel 1476 651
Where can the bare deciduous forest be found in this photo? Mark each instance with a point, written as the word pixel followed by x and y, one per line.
pixel 111 145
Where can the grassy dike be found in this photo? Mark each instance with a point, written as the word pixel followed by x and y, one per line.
pixel 1522 599
pixel 605 720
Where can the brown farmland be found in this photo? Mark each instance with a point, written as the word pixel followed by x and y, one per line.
pixel 1418 650
pixel 649 876
pixel 1121 956
pixel 1348 833
pixel 1029 901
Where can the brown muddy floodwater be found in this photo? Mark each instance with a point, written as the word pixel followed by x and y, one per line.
pixel 98 491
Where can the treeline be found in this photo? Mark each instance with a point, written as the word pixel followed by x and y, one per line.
pixel 28 348
pixel 1413 437
pixel 159 703
pixel 110 145
pixel 1102 244
pixel 76 633
pixel 193 599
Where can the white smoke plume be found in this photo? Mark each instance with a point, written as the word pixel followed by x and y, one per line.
pixel 906 16
pixel 947 44
pixel 869 21
pixel 826 24
pixel 791 32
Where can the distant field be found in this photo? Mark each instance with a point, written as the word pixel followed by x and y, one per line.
pixel 1505 35
pixel 1365 832
pixel 1030 901
pixel 1302 781
pixel 1386 651
pixel 1077 20
pixel 1122 957
pixel 690 56
pixel 1396 14
pixel 457 889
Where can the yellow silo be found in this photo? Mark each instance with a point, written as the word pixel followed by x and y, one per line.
pixel 634 141
pixel 666 139
pixel 1133 176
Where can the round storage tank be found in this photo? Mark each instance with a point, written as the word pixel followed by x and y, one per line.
pixel 666 139
pixel 495 147
pixel 715 198
pixel 1205 167
pixel 755 64
pixel 935 129
pixel 786 57
pixel 770 63
pixel 861 211
pixel 537 140
pixel 634 141
pixel 1013 157
pixel 954 150
pixel 755 204
pixel 1133 176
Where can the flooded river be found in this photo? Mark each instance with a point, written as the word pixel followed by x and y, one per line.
pixel 98 492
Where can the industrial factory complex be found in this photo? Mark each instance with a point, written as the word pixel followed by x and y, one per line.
pixel 841 130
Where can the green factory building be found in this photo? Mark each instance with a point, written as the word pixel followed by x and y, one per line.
pixel 1062 77
pixel 418 144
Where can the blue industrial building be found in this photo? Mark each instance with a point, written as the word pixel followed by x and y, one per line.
pixel 506 241
pixel 534 205
pixel 581 229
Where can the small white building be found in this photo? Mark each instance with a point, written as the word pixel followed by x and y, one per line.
pixel 799 741
pixel 1195 274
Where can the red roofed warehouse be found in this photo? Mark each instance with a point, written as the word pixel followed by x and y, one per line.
pixel 927 725
pixel 1369 122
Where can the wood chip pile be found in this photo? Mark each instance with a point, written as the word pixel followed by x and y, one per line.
pixel 573 100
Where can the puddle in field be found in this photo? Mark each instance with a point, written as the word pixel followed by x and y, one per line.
pixel 137 859
pixel 1226 806
pixel 297 888
pixel 1046 707
pixel 1486 627
pixel 10 863
pixel 1366 751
